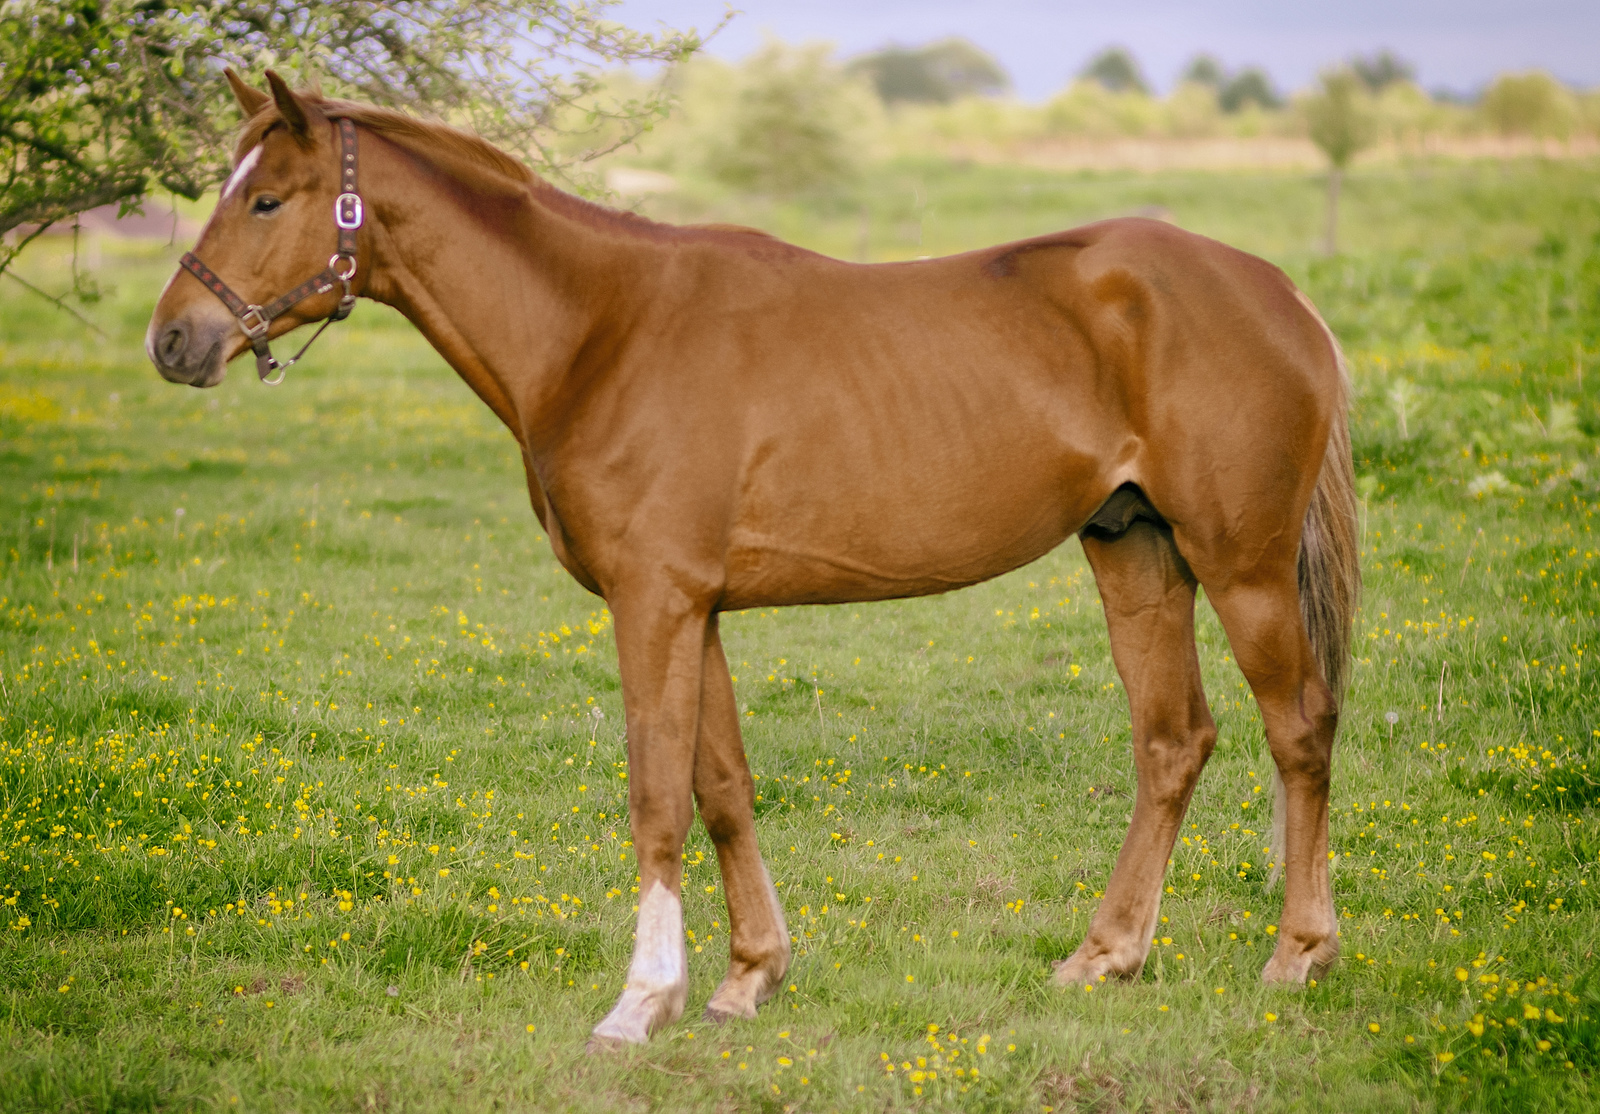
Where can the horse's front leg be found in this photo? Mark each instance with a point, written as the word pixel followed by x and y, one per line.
pixel 661 640
pixel 758 942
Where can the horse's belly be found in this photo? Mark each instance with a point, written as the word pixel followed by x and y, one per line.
pixel 838 535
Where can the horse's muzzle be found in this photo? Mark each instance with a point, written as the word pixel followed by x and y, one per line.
pixel 189 352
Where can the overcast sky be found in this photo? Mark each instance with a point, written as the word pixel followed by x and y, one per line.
pixel 1455 44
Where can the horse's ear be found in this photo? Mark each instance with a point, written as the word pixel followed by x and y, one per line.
pixel 251 101
pixel 291 108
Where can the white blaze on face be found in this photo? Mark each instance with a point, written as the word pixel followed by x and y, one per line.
pixel 241 172
pixel 658 977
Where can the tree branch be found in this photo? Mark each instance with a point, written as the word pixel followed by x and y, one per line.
pixel 47 211
pixel 57 302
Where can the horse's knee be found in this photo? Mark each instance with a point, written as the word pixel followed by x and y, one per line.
pixel 725 821
pixel 727 806
pixel 659 829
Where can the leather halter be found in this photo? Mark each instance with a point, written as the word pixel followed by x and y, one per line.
pixel 256 320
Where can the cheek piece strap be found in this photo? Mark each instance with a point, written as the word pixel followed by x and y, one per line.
pixel 256 320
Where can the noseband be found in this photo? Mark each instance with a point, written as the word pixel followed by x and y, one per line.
pixel 256 320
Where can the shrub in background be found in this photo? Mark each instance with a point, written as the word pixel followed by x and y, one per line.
pixel 1530 104
pixel 938 73
pixel 786 121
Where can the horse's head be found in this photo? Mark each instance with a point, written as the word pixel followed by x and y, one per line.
pixel 273 228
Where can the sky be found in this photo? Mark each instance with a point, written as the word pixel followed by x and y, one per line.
pixel 1457 45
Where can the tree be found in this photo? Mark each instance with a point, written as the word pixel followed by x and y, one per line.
pixel 1116 70
pixel 1235 92
pixel 1532 104
pixel 1205 70
pixel 1341 122
pixel 789 128
pixel 82 88
pixel 936 74
pixel 104 100
pixel 1249 86
pixel 1382 70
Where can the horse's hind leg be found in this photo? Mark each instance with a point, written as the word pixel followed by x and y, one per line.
pixel 1262 618
pixel 1148 592
pixel 758 945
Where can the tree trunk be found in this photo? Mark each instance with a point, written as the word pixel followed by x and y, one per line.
pixel 1330 243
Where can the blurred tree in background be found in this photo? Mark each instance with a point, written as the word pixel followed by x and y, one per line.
pixel 1205 70
pixel 790 125
pixel 1532 104
pixel 1382 70
pixel 104 100
pixel 1341 122
pixel 1236 92
pixel 938 73
pixel 1116 71
pixel 1250 86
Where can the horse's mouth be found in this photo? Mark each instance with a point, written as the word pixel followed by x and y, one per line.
pixel 214 369
pixel 207 371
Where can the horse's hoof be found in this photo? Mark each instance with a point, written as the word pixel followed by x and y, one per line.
pixel 1081 975
pixel 742 991
pixel 1284 974
pixel 601 1046
pixel 1087 972
pixel 735 998
pixel 638 1014
pixel 717 1013
pixel 1292 966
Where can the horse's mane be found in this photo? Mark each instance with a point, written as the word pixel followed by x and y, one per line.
pixel 470 159
pixel 449 147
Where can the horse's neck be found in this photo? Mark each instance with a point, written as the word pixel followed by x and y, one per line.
pixel 507 288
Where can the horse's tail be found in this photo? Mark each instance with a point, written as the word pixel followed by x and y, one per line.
pixel 1329 568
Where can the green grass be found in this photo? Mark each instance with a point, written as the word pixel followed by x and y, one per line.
pixel 241 745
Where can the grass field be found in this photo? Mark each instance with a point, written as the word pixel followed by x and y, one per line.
pixel 312 777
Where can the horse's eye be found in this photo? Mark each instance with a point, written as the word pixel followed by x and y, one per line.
pixel 264 204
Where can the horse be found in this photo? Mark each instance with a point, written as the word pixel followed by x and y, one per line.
pixel 711 419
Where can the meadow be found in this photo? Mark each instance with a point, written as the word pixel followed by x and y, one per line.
pixel 313 785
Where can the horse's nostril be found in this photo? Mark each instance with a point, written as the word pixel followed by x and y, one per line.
pixel 172 344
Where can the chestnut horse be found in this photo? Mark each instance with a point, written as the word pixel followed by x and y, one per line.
pixel 712 420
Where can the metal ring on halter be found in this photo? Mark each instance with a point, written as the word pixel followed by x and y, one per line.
pixel 282 370
pixel 333 265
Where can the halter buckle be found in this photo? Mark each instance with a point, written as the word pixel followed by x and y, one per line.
pixel 257 327
pixel 347 212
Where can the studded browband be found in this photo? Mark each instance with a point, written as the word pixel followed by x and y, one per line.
pixel 256 320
